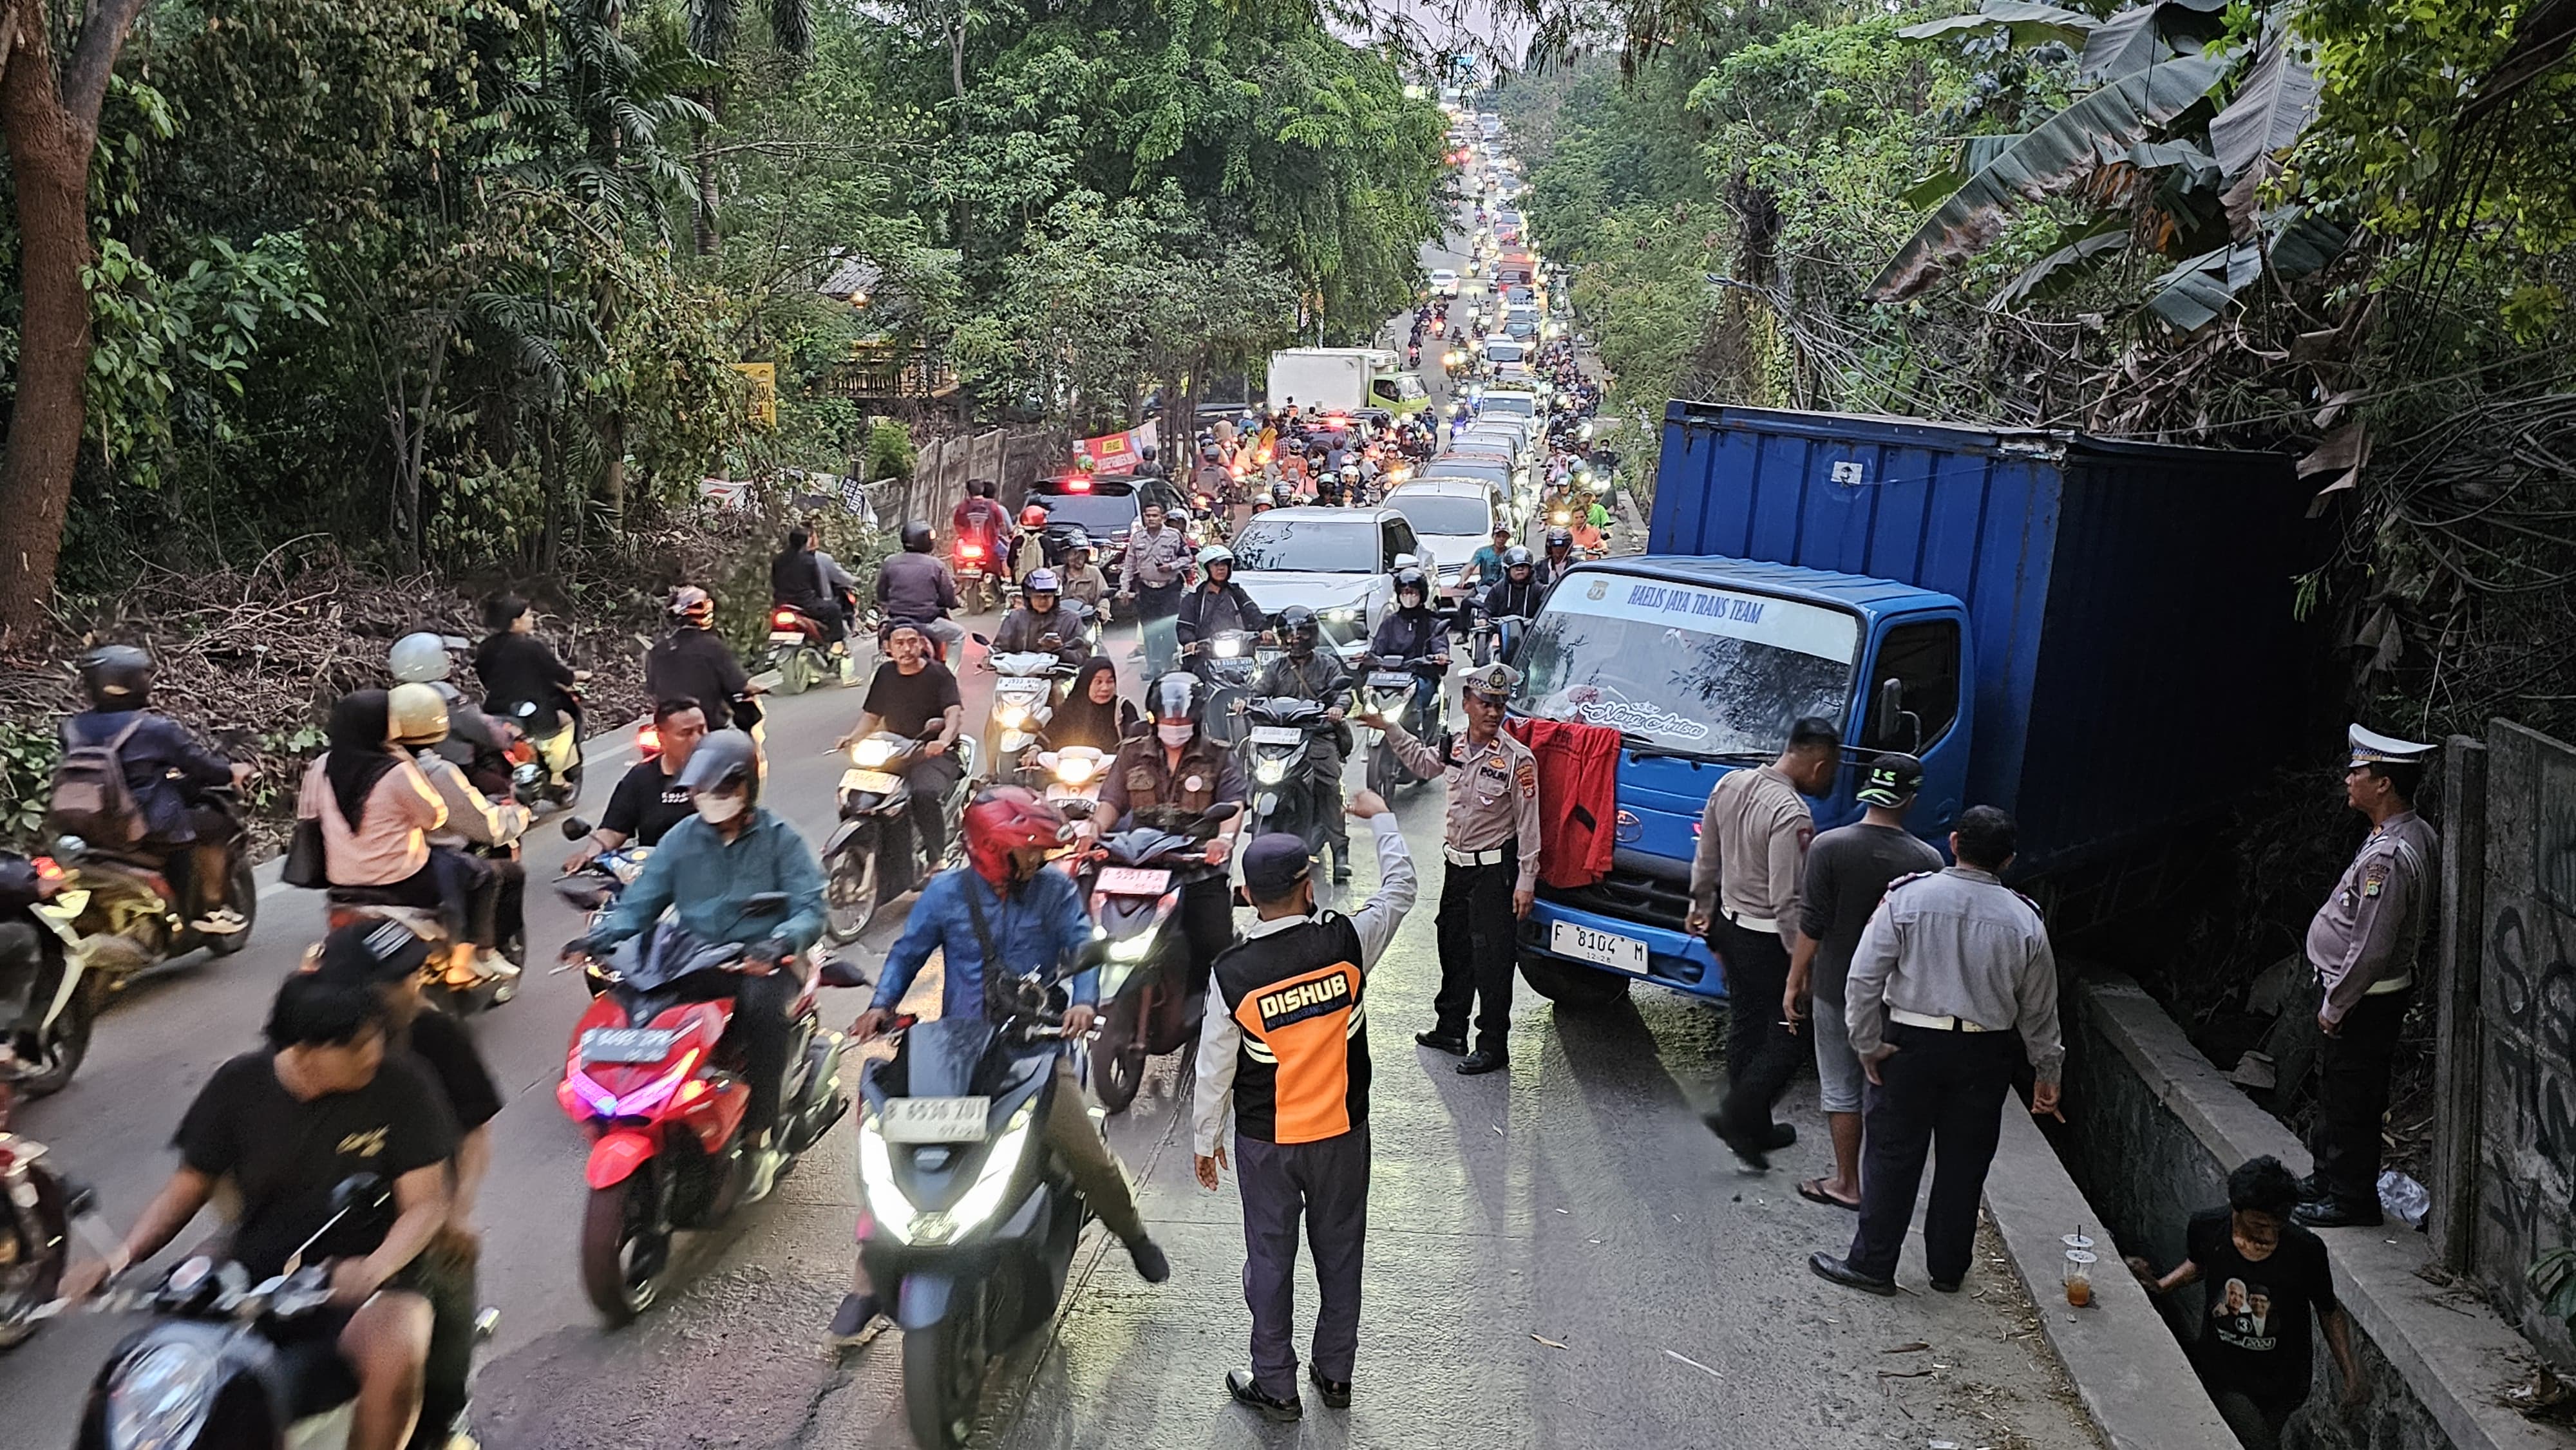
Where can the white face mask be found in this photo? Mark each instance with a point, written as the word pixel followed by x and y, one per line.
pixel 715 810
pixel 1174 736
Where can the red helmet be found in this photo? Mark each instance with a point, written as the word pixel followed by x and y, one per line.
pixel 1033 517
pixel 1002 819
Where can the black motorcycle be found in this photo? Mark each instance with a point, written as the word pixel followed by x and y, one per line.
pixel 876 807
pixel 1279 738
pixel 974 1221
pixel 1398 695
pixel 1134 880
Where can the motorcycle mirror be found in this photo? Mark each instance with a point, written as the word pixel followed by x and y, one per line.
pixel 766 903
pixel 582 895
pixel 69 848
pixel 358 1190
pixel 1221 812
pixel 1076 809
pixel 838 973
pixel 574 828
pixel 979 639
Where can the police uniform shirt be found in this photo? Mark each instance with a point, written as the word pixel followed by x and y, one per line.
pixel 1153 560
pixel 1493 793
pixel 1288 1046
pixel 1957 943
pixel 2364 939
pixel 1752 851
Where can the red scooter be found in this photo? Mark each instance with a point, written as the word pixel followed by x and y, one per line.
pixel 653 1080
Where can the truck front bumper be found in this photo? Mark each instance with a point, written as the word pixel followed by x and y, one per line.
pixel 1673 959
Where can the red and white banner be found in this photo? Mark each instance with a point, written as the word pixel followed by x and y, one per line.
pixel 1113 452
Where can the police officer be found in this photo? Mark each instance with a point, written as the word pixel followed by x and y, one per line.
pixel 1953 982
pixel 1744 886
pixel 1179 770
pixel 1306 672
pixel 1491 842
pixel 1289 1051
pixel 2363 945
pixel 1153 573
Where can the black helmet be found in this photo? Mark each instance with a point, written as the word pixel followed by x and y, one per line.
pixel 916 537
pixel 1146 452
pixel 1301 629
pixel 1411 578
pixel 1517 557
pixel 723 757
pixel 1560 538
pixel 116 677
pixel 1174 697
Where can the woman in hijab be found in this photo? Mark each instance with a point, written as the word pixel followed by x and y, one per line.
pixel 1093 714
pixel 377 811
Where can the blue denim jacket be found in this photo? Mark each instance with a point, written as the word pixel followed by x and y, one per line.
pixel 1040 927
pixel 767 856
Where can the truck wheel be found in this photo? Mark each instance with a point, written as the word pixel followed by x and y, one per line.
pixel 1576 989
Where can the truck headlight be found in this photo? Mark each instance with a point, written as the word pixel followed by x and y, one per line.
pixel 160 1398
pixel 1270 772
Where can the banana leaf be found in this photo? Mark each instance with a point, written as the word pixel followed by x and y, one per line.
pixel 2152 33
pixel 2269 111
pixel 1972 155
pixel 2198 289
pixel 2051 275
pixel 2054 158
pixel 2030 24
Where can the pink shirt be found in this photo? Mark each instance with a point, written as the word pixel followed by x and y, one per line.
pixel 392 842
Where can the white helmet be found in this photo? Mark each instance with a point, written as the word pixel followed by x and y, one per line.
pixel 419 659
pixel 1215 554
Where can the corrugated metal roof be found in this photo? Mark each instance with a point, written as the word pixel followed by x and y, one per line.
pixel 851 273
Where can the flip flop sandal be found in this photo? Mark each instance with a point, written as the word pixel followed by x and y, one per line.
pixel 1812 1190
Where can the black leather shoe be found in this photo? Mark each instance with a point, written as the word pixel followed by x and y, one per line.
pixel 1152 1264
pixel 2330 1213
pixel 1439 1041
pixel 1482 1060
pixel 1834 1270
pixel 1782 1135
pixel 1238 1383
pixel 1336 1393
pixel 1946 1286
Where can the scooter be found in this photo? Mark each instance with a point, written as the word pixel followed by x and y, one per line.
pixel 876 800
pixel 39 1211
pixel 971 1223
pixel 1495 637
pixel 1391 695
pixel 109 917
pixel 1226 660
pixel 798 651
pixel 979 583
pixel 1134 880
pixel 1276 751
pixel 1071 777
pixel 593 888
pixel 650 1077
pixel 1026 686
pixel 558 750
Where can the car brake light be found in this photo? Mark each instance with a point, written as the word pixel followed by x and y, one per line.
pixel 1077 485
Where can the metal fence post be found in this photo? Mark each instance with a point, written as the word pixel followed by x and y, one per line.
pixel 2458 1026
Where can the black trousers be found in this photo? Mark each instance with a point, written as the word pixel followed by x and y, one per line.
pixel 1207 926
pixel 1475 930
pixel 761 1029
pixel 1327 1184
pixel 444 1275
pixel 2352 1098
pixel 469 893
pixel 1942 1093
pixel 930 777
pixel 509 900
pixel 1761 1055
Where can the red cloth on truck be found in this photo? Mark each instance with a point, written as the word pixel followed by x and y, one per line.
pixel 1578 797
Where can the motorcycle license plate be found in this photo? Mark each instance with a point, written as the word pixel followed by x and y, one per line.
pixel 1129 881
pixel 626 1044
pixel 874 782
pixel 1276 735
pixel 786 636
pixel 935 1120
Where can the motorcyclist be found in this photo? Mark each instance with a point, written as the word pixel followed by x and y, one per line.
pixel 523 681
pixel 911 693
pixel 692 663
pixel 1083 579
pixel 1216 605
pixel 796 582
pixel 419 723
pixel 1093 713
pixel 649 800
pixel 1041 625
pixel 1517 592
pixel 168 774
pixel 376 811
pixel 1212 477
pixel 1411 637
pixel 1177 772
pixel 915 587
pixel 477 742
pixel 705 872
pixel 1485 566
pixel 1003 902
pixel 1028 546
pixel 979 515
pixel 1559 557
pixel 1306 672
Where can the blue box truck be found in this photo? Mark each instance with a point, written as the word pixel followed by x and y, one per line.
pixel 2097 636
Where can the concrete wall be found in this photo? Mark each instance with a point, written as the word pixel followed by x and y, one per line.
pixel 2157 1130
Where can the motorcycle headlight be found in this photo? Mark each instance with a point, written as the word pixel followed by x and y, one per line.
pixel 1010 712
pixel 1270 772
pixel 160 1398
pixel 896 1214
pixel 872 752
pixel 1076 769
pixel 1227 649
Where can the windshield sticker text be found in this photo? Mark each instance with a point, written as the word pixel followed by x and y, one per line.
pixel 1696 602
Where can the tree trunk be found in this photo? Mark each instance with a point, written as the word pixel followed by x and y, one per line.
pixel 709 241
pixel 612 473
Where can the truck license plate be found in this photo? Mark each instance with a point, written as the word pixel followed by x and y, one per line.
pixel 1608 948
pixel 936 1120
pixel 1128 881
pixel 1276 734
pixel 626 1044
pixel 874 782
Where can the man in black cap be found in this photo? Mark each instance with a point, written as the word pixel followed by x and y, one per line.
pixel 1289 1052
pixel 2362 946
pixel 1848 870
pixel 386 956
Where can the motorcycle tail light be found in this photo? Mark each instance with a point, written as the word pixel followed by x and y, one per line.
pixel 648 740
pixel 970 551
pixel 784 618
pixel 47 868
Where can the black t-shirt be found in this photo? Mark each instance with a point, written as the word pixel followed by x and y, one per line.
pixel 2256 1339
pixel 908 703
pixel 692 664
pixel 648 801
pixel 518 668
pixel 286 1156
pixel 1847 872
pixel 439 1041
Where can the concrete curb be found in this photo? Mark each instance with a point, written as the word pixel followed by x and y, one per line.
pixel 2455 1355
pixel 2137 1386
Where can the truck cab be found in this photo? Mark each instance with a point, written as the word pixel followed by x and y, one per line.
pixel 1702 664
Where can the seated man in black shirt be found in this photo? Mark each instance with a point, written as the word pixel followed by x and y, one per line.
pixel 693 662
pixel 911 693
pixel 323 1103
pixel 648 800
pixel 2264 1274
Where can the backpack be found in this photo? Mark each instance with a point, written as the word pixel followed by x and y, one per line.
pixel 92 798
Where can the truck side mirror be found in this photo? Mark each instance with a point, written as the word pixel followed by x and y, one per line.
pixel 1891 724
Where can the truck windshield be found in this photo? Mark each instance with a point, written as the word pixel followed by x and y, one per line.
pixel 1684 666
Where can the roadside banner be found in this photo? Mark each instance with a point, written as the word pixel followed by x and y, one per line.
pixel 1113 452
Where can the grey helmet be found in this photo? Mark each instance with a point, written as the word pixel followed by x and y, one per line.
pixel 419 659
pixel 722 758
pixel 116 677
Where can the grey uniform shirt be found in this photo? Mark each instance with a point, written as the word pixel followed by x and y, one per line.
pixel 1152 560
pixel 1957 943
pixel 1493 793
pixel 2369 930
pixel 1752 846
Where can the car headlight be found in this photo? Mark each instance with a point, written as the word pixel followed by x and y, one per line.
pixel 872 752
pixel 1270 772
pixel 896 1214
pixel 1344 614
pixel 160 1398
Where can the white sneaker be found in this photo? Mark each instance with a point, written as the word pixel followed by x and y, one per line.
pixel 222 921
pixel 493 964
pixel 765 1163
